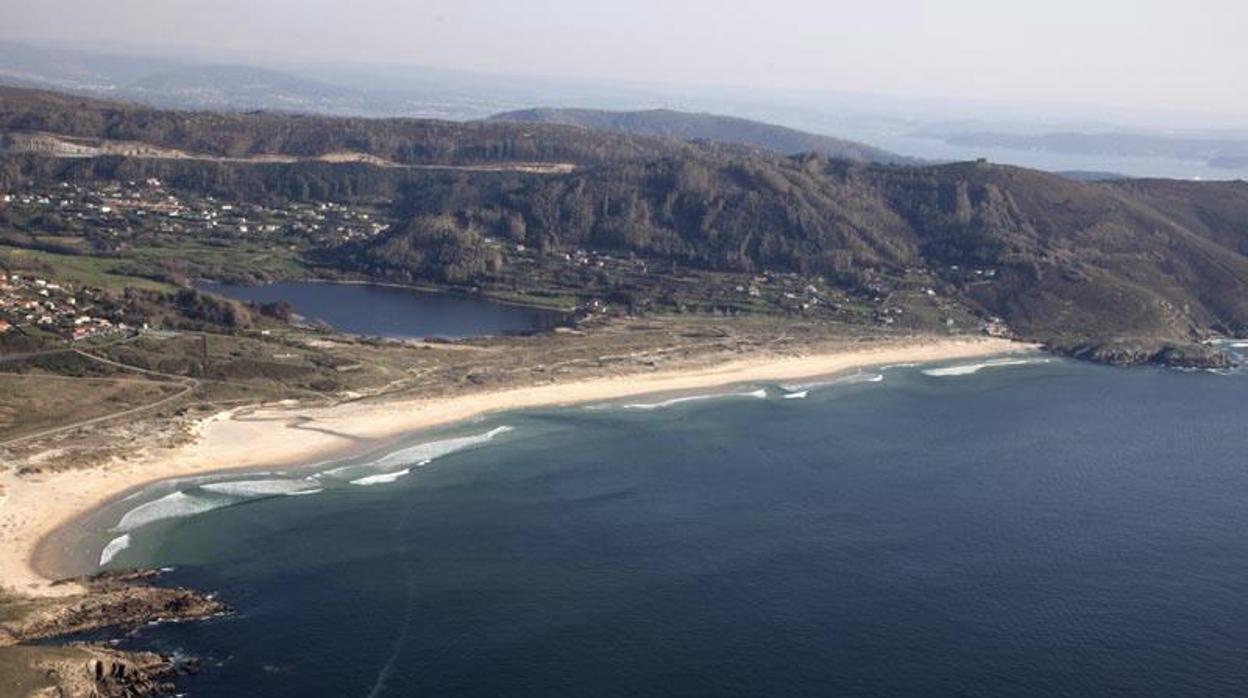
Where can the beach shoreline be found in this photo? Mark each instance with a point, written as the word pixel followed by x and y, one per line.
pixel 41 516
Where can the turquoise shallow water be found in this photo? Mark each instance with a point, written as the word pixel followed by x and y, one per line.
pixel 1043 529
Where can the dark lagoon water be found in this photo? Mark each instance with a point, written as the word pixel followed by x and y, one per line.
pixel 398 313
pixel 1037 529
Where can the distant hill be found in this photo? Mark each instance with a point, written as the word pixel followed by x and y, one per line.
pixel 185 84
pixel 668 123
pixel 70 69
pixel 113 127
pixel 240 87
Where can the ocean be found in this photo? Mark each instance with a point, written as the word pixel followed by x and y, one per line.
pixel 1019 528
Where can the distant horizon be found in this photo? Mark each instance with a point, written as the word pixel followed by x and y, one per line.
pixel 1055 137
pixel 1146 59
pixel 665 95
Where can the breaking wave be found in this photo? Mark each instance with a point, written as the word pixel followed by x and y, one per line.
pixel 760 394
pixel 248 489
pixel 422 454
pixel 114 546
pixel 970 369
pixel 799 395
pixel 382 479
pixel 206 496
pixel 171 506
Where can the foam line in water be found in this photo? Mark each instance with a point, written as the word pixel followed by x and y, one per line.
pixel 114 546
pixel 854 379
pixel 970 369
pixel 382 479
pixel 249 489
pixel 799 395
pixel 422 454
pixel 760 394
pixel 171 506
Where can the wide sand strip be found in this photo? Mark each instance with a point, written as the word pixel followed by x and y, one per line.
pixel 36 506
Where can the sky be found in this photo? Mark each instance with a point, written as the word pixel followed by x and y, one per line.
pixel 1136 54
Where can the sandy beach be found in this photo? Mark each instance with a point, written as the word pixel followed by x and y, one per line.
pixel 36 507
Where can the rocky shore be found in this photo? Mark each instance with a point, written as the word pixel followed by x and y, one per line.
pixel 1126 352
pixel 33 663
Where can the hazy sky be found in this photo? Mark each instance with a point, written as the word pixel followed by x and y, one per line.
pixel 1189 54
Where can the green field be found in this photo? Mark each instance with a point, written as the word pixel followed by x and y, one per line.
pixel 96 272
pixel 143 267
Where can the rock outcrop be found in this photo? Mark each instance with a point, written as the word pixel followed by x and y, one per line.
pixel 112 601
pixel 101 672
pixel 1140 352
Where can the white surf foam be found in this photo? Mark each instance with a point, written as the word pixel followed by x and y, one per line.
pixel 799 395
pixel 970 369
pixel 114 546
pixel 249 489
pixel 422 454
pixel 382 479
pixel 171 506
pixel 1239 345
pixel 760 394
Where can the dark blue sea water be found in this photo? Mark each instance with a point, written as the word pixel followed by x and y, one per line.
pixel 1042 529
pixel 399 313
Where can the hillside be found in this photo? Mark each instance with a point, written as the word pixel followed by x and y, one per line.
pixel 1054 257
pixel 668 123
pixel 1057 259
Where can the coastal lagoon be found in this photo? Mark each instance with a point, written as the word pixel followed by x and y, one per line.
pixel 395 312
pixel 1022 526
